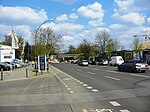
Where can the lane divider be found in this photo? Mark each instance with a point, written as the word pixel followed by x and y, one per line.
pixel 112 78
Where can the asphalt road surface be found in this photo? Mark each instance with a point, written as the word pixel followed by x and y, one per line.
pixel 72 88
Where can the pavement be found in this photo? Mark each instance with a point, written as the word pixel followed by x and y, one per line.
pixel 20 74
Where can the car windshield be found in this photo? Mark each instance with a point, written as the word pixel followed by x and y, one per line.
pixel 140 61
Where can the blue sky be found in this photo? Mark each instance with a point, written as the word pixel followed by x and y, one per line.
pixel 77 19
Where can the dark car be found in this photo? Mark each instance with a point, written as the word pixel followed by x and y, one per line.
pixel 92 62
pixel 4 66
pixel 133 66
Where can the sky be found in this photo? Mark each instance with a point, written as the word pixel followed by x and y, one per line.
pixel 76 20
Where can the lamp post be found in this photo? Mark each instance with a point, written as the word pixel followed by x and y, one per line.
pixel 36 41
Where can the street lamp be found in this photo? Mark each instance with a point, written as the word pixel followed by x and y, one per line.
pixel 36 40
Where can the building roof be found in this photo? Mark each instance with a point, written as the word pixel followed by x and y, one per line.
pixel 146 45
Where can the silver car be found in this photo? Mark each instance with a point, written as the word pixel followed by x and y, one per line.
pixel 133 66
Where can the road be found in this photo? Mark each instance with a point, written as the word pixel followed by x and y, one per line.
pixel 72 88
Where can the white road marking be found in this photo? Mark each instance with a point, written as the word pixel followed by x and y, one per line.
pixel 91 73
pixel 112 78
pixel 68 88
pixel 94 90
pixel 71 92
pixel 95 69
pixel 84 110
pixel 80 82
pixel 124 111
pixel 114 103
pixel 140 75
pixel 112 71
pixel 67 79
pixel 89 87
pixel 85 85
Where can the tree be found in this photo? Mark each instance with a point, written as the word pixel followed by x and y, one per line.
pixel 49 41
pixel 137 45
pixel 8 40
pixel 84 49
pixel 101 40
pixel 27 52
pixel 72 50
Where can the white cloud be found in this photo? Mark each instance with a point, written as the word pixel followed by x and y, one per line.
pixel 148 20
pixel 21 15
pixel 93 11
pixel 117 27
pixel 67 38
pixel 73 16
pixel 95 23
pixel 130 18
pixel 63 17
pixel 65 28
pixel 20 30
pixel 132 5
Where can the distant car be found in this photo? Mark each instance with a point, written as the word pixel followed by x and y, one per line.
pixel 92 62
pixel 83 63
pixel 116 60
pixel 103 62
pixel 4 66
pixel 134 66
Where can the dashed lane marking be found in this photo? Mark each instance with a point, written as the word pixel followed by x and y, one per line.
pixel 91 73
pixel 94 90
pixel 68 88
pixel 124 111
pixel 112 78
pixel 112 71
pixel 84 110
pixel 95 69
pixel 140 75
pixel 89 87
pixel 80 82
pixel 114 103
pixel 85 85
pixel 71 92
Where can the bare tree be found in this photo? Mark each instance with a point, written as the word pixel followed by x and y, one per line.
pixel 101 40
pixel 49 39
pixel 137 46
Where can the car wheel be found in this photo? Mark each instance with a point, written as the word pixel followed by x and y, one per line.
pixel 130 69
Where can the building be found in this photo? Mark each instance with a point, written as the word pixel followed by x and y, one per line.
pixel 7 53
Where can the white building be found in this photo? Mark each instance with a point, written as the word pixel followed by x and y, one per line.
pixel 7 53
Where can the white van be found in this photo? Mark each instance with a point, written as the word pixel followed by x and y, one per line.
pixel 116 60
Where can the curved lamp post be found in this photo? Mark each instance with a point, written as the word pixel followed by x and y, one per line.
pixel 36 40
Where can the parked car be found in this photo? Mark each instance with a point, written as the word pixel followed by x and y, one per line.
pixel 83 63
pixel 116 60
pixel 103 62
pixel 92 62
pixel 4 66
pixel 134 66
pixel 13 66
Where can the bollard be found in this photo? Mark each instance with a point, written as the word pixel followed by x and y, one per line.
pixel 26 73
pixel 2 78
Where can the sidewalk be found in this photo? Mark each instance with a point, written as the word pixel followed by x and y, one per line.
pixel 20 73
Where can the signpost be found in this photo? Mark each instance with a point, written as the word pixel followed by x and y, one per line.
pixel 42 63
